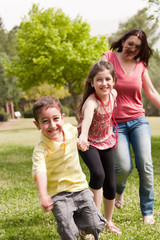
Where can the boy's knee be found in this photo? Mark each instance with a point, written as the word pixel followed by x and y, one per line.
pixel 68 232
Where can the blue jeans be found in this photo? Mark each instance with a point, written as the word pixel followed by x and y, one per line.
pixel 137 133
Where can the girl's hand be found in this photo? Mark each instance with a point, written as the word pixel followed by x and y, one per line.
pixel 47 203
pixel 87 111
pixel 82 145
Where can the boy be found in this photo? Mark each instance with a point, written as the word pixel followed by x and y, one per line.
pixel 61 184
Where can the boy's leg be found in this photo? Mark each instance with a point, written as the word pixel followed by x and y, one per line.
pixel 84 236
pixel 88 218
pixel 63 210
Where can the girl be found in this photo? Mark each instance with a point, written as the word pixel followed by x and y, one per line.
pixel 96 137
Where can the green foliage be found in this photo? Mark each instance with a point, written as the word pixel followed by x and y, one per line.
pixel 66 111
pixel 154 9
pixel 45 90
pixel 11 42
pixel 7 40
pixel 8 84
pixel 54 49
pixel 28 114
pixel 150 27
pixel 142 21
pixel 4 117
pixel 154 72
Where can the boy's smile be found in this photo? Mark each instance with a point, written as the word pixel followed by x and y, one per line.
pixel 51 123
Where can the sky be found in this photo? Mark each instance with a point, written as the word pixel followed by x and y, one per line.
pixel 102 15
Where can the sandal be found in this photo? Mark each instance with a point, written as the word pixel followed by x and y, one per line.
pixel 148 219
pixel 119 204
pixel 113 229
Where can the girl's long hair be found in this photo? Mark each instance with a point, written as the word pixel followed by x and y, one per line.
pixel 145 51
pixel 95 69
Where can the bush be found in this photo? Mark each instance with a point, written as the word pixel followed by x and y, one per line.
pixel 66 110
pixel 4 117
pixel 28 114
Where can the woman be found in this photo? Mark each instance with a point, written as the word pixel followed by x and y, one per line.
pixel 130 59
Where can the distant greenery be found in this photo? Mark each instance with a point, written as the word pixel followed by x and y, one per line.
pixel 141 20
pixel 28 114
pixel 154 9
pixel 51 54
pixel 52 48
pixel 3 116
pixel 21 217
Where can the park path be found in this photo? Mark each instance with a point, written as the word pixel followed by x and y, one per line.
pixel 8 125
pixel 24 123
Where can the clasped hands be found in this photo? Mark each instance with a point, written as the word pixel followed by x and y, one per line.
pixel 82 144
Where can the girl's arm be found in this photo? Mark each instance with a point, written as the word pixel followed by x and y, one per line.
pixel 114 92
pixel 113 98
pixel 88 112
pixel 150 91
pixel 46 201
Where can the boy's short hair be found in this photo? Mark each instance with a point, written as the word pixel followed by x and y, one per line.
pixel 45 102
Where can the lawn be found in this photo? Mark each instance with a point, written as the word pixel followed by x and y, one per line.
pixel 21 216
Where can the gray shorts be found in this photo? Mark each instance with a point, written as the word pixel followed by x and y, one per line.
pixel 74 211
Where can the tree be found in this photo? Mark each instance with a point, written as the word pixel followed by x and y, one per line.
pixel 154 9
pixel 154 72
pixel 9 90
pixel 3 37
pixel 11 42
pixel 39 91
pixel 142 21
pixel 54 49
pixel 150 27
pixel 8 40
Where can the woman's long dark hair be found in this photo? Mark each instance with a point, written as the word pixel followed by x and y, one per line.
pixel 96 68
pixel 145 51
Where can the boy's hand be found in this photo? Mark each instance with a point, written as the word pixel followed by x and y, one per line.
pixel 82 145
pixel 47 203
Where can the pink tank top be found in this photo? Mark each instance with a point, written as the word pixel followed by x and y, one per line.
pixel 129 105
pixel 101 133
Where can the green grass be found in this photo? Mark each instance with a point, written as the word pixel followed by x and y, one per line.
pixel 21 216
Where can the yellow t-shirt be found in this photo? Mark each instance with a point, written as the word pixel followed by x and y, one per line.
pixel 60 162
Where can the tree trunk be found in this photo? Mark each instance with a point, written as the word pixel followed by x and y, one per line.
pixel 75 104
pixel 12 109
pixel 7 108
